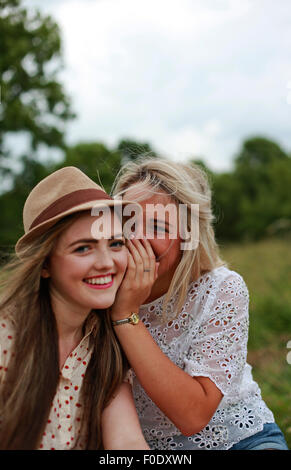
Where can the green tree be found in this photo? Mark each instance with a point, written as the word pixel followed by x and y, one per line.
pixel 201 163
pixel 96 160
pixel 255 196
pixel 131 149
pixel 32 99
pixel 226 202
pixel 263 169
pixel 93 158
pixel 257 152
pixel 253 161
pixel 11 202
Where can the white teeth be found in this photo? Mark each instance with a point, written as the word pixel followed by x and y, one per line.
pixel 99 280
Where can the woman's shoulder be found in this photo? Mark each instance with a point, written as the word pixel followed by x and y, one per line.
pixel 218 275
pixel 220 280
pixel 7 326
pixel 230 281
pixel 217 293
pixel 7 331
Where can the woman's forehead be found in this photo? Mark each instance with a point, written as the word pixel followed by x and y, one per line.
pixel 87 225
pixel 144 193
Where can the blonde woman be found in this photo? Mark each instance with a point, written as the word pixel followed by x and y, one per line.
pixel 63 379
pixel 193 387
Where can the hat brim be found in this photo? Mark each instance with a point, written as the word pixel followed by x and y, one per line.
pixel 41 228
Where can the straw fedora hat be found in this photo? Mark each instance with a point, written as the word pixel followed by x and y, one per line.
pixel 63 192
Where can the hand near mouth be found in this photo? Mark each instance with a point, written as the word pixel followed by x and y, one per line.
pixel 139 278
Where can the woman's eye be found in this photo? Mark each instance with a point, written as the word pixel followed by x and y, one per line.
pixel 158 228
pixel 117 243
pixel 82 249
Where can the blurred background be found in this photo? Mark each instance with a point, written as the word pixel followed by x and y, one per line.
pixel 94 83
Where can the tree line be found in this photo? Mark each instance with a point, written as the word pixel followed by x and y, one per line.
pixel 250 201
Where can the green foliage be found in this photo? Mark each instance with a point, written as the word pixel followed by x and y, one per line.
pixel 251 202
pixel 257 153
pixel 11 202
pixel 199 162
pixel 227 194
pixel 255 197
pixel 130 150
pixel 93 158
pixel 32 100
pixel 96 160
pixel 266 269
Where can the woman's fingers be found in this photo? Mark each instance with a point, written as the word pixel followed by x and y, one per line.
pixel 130 270
pixel 148 258
pixel 153 265
pixel 131 266
pixel 145 261
pixel 149 250
pixel 137 257
pixel 139 278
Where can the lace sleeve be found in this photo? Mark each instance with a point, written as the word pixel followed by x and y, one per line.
pixel 219 348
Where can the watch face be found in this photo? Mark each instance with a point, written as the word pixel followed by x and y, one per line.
pixel 134 318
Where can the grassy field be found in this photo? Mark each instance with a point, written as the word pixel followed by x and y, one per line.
pixel 266 268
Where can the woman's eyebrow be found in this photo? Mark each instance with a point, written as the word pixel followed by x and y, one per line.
pixel 94 240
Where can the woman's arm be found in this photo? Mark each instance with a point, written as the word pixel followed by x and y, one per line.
pixel 120 424
pixel 189 402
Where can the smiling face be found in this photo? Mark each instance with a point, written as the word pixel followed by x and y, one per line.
pixel 86 272
pixel 162 232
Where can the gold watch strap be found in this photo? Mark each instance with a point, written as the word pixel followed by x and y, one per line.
pixel 133 320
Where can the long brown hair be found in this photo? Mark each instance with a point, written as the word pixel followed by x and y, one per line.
pixel 33 371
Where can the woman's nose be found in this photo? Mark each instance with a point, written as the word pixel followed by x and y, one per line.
pixel 104 260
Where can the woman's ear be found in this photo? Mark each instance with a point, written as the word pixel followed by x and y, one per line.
pixel 45 270
pixel 45 273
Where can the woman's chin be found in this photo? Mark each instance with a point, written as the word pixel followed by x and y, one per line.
pixel 105 303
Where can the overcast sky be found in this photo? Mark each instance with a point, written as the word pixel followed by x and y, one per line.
pixel 191 77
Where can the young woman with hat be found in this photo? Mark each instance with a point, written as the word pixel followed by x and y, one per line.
pixel 193 387
pixel 63 378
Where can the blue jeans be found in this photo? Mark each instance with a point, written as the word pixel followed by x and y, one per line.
pixel 271 437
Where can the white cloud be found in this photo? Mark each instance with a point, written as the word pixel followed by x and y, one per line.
pixel 190 76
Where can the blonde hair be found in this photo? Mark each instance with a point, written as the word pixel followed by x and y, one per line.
pixel 186 184
pixel 33 371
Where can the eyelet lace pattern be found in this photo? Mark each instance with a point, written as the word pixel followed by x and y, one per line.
pixel 208 338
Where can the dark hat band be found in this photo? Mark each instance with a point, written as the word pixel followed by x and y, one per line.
pixel 67 202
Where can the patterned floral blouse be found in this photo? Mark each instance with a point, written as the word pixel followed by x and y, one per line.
pixel 208 338
pixel 63 429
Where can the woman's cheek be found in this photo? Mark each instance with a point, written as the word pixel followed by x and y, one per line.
pixel 161 248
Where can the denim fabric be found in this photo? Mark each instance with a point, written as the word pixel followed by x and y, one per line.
pixel 271 437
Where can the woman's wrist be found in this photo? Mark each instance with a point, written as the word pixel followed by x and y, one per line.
pixel 123 314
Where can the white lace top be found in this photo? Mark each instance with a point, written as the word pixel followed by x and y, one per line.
pixel 208 338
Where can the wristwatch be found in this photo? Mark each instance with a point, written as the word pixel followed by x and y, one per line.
pixel 133 320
